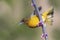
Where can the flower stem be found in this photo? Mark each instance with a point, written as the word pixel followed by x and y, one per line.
pixel 40 18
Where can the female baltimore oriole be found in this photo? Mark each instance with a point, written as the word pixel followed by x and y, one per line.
pixel 33 21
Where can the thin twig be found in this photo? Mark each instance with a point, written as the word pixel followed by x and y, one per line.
pixel 40 17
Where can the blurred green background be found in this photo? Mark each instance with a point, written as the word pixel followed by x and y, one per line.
pixel 12 11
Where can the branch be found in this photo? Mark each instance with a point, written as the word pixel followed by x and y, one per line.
pixel 40 18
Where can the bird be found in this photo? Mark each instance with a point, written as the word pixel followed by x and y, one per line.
pixel 33 20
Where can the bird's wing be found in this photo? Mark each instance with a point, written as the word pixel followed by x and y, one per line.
pixel 34 12
pixel 50 11
pixel 49 21
pixel 48 16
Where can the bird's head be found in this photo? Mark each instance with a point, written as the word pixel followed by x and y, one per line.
pixel 24 21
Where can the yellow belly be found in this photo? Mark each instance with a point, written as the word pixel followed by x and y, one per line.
pixel 33 21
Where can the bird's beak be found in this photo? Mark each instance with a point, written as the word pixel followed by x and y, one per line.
pixel 21 22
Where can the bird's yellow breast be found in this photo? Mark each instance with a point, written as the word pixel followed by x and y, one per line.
pixel 33 21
